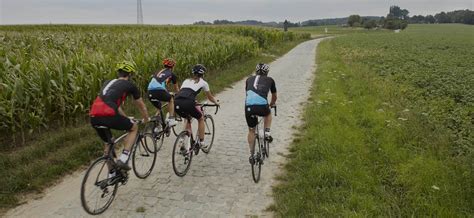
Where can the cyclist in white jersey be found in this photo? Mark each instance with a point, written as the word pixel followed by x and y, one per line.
pixel 185 99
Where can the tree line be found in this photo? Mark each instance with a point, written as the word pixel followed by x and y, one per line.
pixel 397 18
pixel 457 16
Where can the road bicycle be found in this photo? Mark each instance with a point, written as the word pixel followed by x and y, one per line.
pixel 262 146
pixel 157 129
pixel 186 145
pixel 103 177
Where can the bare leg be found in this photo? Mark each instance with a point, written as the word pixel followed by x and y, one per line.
pixel 171 107
pixel 267 122
pixel 201 128
pixel 251 140
pixel 130 139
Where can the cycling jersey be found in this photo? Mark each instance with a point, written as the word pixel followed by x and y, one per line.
pixel 190 88
pixel 161 79
pixel 257 88
pixel 111 96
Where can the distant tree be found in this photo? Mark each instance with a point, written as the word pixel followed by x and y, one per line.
pixel 354 20
pixel 397 18
pixel 430 19
pixel 442 18
pixel 370 24
pixel 202 23
pixel 417 19
pixel 221 22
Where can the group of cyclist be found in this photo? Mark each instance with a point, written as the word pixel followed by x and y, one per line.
pixel 106 110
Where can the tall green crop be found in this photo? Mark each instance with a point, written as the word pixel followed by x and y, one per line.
pixel 50 74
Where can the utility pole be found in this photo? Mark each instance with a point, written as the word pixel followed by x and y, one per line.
pixel 139 12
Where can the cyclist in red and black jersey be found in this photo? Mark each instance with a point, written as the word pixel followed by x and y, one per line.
pixel 106 109
pixel 157 91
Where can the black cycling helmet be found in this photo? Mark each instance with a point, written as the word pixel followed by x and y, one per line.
pixel 199 70
pixel 262 69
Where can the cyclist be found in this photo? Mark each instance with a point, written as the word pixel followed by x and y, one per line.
pixel 106 109
pixel 157 91
pixel 185 100
pixel 256 104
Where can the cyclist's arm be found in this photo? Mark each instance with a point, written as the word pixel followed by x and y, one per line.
pixel 141 106
pixel 176 87
pixel 274 99
pixel 211 97
pixel 121 112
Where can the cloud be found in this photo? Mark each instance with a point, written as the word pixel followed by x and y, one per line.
pixel 189 11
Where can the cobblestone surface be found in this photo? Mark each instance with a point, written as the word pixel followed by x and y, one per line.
pixel 218 184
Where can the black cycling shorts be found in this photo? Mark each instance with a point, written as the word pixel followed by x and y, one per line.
pixel 185 107
pixel 117 122
pixel 255 110
pixel 157 96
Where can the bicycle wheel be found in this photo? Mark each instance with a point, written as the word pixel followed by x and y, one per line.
pixel 181 157
pixel 97 191
pixel 209 133
pixel 154 135
pixel 257 165
pixel 143 160
pixel 179 125
pixel 267 148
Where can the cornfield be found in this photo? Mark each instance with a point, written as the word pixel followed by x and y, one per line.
pixel 50 74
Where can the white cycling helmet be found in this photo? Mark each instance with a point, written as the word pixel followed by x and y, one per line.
pixel 262 69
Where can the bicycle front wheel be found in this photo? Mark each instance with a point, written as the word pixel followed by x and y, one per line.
pixel 182 156
pixel 143 157
pixel 209 133
pixel 154 135
pixel 97 190
pixel 267 148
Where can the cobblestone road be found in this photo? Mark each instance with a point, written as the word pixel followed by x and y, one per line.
pixel 218 184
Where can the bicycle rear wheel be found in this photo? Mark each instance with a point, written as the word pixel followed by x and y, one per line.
pixel 209 133
pixel 97 190
pixel 179 125
pixel 257 165
pixel 143 157
pixel 181 158
pixel 267 148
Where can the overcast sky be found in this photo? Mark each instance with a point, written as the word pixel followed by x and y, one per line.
pixel 189 11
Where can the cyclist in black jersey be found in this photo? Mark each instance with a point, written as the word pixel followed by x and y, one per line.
pixel 256 103
pixel 157 91
pixel 185 100
pixel 106 109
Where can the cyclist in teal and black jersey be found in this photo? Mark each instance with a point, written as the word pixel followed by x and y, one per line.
pixel 256 104
pixel 157 91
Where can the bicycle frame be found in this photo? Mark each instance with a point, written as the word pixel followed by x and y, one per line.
pixel 204 113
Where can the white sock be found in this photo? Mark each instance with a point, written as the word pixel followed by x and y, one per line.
pixel 124 156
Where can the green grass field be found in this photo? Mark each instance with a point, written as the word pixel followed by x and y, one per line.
pixel 332 30
pixel 51 153
pixel 389 128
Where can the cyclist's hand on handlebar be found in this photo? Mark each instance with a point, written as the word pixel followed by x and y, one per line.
pixel 146 119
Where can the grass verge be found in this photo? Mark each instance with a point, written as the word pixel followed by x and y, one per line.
pixel 56 153
pixel 367 148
